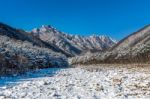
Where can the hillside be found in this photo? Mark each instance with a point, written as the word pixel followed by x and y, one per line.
pixel 20 52
pixel 134 48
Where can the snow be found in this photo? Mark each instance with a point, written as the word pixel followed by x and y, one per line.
pixel 73 44
pixel 92 82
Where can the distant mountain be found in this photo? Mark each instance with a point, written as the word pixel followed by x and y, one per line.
pixel 134 48
pixel 72 44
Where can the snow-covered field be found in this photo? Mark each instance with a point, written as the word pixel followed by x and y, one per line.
pixel 92 82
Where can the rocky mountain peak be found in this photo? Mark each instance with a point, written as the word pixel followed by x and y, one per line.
pixel 73 44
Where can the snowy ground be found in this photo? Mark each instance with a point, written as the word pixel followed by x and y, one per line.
pixel 92 82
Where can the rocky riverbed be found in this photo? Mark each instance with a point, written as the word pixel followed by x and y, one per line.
pixel 82 82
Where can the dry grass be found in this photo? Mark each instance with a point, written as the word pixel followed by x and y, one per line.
pixel 129 67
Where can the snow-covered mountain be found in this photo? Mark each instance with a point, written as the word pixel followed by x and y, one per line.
pixel 42 48
pixel 20 51
pixel 73 44
pixel 132 49
pixel 139 37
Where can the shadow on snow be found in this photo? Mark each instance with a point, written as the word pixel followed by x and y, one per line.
pixel 16 79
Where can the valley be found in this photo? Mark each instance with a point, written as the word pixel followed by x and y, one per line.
pixel 74 49
pixel 49 64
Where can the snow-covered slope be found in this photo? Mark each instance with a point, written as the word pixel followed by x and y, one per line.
pixel 73 44
pixel 139 37
pixel 21 52
pixel 132 49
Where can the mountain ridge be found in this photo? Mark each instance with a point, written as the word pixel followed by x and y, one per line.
pixel 73 44
pixel 132 34
pixel 135 48
pixel 20 52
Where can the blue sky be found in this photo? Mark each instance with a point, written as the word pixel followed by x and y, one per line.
pixel 115 18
